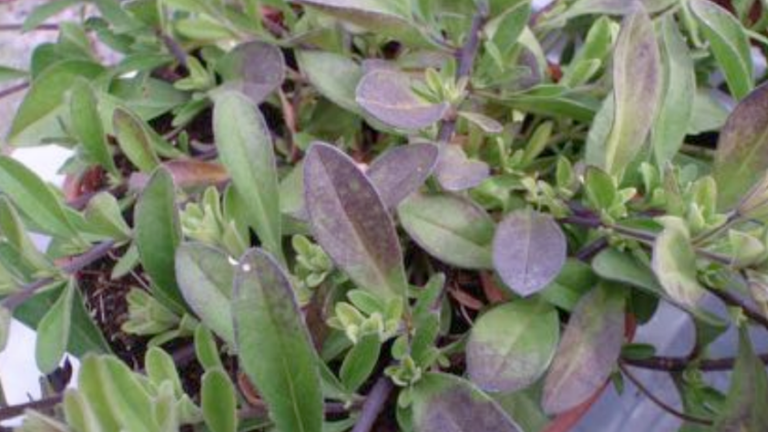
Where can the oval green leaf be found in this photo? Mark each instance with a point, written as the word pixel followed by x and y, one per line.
pixel 205 277
pixel 360 362
pixel 274 345
pixel 674 263
pixel 333 75
pixel 447 403
pixel 351 223
pixel 450 227
pixel 386 95
pixel 86 125
pixel 529 250
pixel 245 148
pixel 512 345
pixel 135 140
pixel 219 402
pixel 53 330
pixel 588 351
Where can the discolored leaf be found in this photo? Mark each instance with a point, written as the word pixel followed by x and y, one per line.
pixel 86 125
pixel 274 346
pixel 679 91
pixel 742 148
pixel 38 117
pixel 399 172
pixel 157 234
pixel 729 44
pixel 245 148
pixel 636 93
pixel 187 174
pixel 588 350
pixel 54 329
pixel 674 262
pixel 386 95
pixel 33 197
pixel 351 223
pixel 482 121
pixel 747 397
pixel 512 345
pixel 205 277
pixel 529 249
pixel 256 69
pixel 446 403
pixel 449 227
pixel 456 172
pixel 334 76
pixel 135 140
pixel 219 402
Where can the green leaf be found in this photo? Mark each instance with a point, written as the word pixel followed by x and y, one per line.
pixel 674 262
pixel 34 198
pixel 87 127
pixel 360 361
pixel 219 402
pixel 748 394
pixel 245 148
pixel 205 276
pixel 126 398
pixel 334 76
pixel 206 350
pixel 679 92
pixel 529 250
pixel 450 227
pixel 10 74
pixel 38 115
pixel 13 231
pixel 729 44
pixel 104 216
pixel 588 351
pixel 135 139
pixel 555 100
pixel 5 327
pixel 636 94
pixel 161 368
pixel 447 403
pixel 351 223
pixel 386 95
pixel 742 149
pixel 54 330
pixel 158 233
pixel 274 345
pixel 512 345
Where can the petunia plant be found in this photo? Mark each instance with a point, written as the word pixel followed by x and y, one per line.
pixel 390 215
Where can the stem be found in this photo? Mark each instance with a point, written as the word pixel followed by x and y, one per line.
pixel 12 411
pixel 19 27
pixel 680 364
pixel 660 403
pixel 589 251
pixel 77 264
pixel 466 57
pixel 13 89
pixel 374 404
pixel 734 301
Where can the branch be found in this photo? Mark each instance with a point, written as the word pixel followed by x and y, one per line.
pixel 20 27
pixel 13 89
pixel 679 364
pixel 77 264
pixel 734 301
pixel 660 403
pixel 12 411
pixel 466 57
pixel 374 404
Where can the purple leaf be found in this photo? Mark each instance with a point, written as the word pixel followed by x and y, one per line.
pixel 387 96
pixel 351 223
pixel 400 171
pixel 446 403
pixel 254 68
pixel 529 250
pixel 588 351
pixel 456 172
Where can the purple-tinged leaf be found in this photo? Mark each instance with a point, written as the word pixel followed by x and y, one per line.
pixel 482 121
pixel 742 149
pixel 747 398
pixel 351 223
pixel 588 351
pixel 254 68
pixel 451 228
pixel 400 171
pixel 456 172
pixel 529 250
pixel 274 345
pixel 512 345
pixel 387 96
pixel 636 94
pixel 446 403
